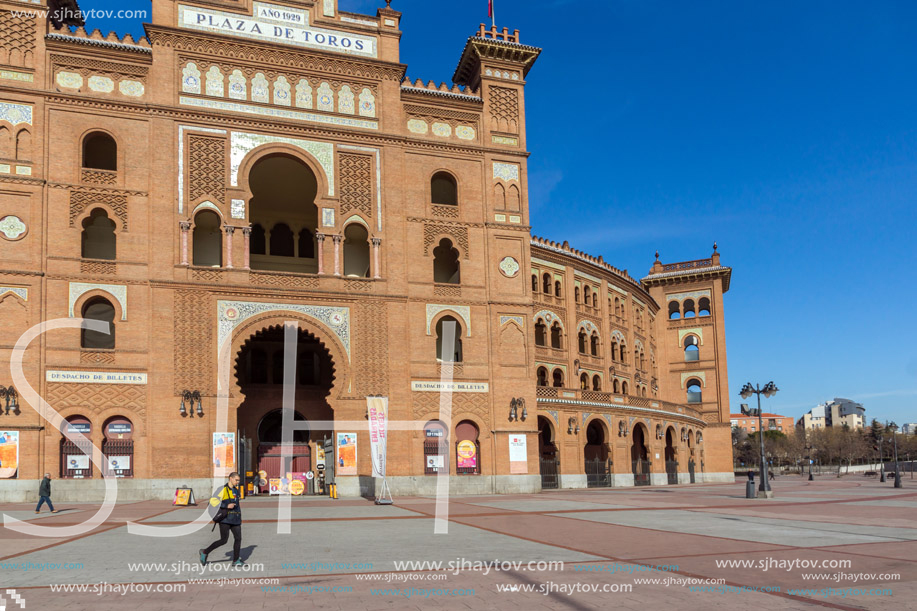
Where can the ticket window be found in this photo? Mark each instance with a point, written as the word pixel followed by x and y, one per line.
pixel 75 453
pixel 467 449
pixel 118 447
pixel 435 448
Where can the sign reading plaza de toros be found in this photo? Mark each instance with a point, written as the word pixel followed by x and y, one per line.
pixel 95 377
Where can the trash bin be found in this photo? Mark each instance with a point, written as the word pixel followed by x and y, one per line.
pixel 750 486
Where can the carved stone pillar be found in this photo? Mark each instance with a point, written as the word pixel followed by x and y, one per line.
pixel 247 241
pixel 337 254
pixel 320 243
pixel 228 229
pixel 185 228
pixel 377 271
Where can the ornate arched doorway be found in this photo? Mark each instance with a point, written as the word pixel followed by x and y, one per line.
pixel 260 375
pixel 595 454
pixel 547 453
pixel 639 456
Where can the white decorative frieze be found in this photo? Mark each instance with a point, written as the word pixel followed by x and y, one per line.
pixel 464 312
pixel 15 113
pixel 118 291
pixel 506 171
pixel 243 143
pixel 20 291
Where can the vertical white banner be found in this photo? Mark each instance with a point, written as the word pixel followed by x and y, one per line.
pixel 377 408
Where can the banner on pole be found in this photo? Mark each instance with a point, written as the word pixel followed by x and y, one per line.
pixel 378 424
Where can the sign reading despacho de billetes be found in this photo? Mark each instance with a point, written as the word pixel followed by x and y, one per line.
pixel 437 386
pixel 274 23
pixel 95 377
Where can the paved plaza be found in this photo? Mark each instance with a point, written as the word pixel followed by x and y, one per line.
pixel 712 549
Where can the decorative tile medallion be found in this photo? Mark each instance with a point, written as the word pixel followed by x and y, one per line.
pixel 12 227
pixel 464 132
pixel 509 267
pixel 69 80
pixel 327 217
pixel 101 84
pixel 133 89
pixel 443 130
pixel 416 126
pixel 237 209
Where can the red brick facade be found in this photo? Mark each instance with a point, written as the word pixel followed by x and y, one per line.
pixel 208 185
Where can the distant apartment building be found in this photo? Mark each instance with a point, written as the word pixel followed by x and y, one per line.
pixel 909 429
pixel 835 413
pixel 771 422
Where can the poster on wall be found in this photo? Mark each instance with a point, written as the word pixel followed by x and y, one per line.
pixel 119 463
pixel 77 462
pixel 347 454
pixel 9 454
pixel 437 462
pixel 518 454
pixel 377 408
pixel 224 453
pixel 467 455
pixel 275 485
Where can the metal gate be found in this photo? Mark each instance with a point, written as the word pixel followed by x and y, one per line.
pixel 598 473
pixel 671 470
pixel 691 470
pixel 270 460
pixel 549 470
pixel 642 470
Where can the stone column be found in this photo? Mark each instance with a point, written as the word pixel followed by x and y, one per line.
pixel 228 229
pixel 247 241
pixel 337 254
pixel 185 228
pixel 377 271
pixel 320 243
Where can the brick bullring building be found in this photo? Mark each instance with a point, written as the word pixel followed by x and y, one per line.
pixel 251 164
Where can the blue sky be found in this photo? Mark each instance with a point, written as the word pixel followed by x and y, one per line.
pixel 784 131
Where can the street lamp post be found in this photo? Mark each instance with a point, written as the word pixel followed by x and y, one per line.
pixel 769 390
pixel 881 459
pixel 894 429
pixel 809 457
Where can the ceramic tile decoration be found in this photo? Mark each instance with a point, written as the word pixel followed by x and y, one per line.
pixel 23 170
pixel 237 209
pixel 280 113
pixel 282 91
pixel 69 80
pixel 303 94
pixel 134 89
pixel 464 312
pixel 20 291
pixel 118 291
pixel 260 89
pixel 465 132
pixel 325 98
pixel 191 79
pixel 14 75
pixel 231 314
pixel 506 171
pixel 101 84
pixel 367 103
pixel 516 319
pixel 505 140
pixel 444 130
pixel 416 126
pixel 345 100
pixel 215 82
pixel 242 143
pixel 509 267
pixel 238 85
pixel 327 217
pixel 12 227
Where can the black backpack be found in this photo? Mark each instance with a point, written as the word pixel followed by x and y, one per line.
pixel 215 508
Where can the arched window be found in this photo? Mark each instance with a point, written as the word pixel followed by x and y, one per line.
pixel 703 306
pixel 642 360
pixel 586 295
pixel 542 376
pixel 98 238
pixel 356 251
pixel 118 447
pixel 595 300
pixel 257 245
pixel 615 387
pixel 623 352
pixel 614 350
pixel 576 294
pixel 100 152
pixel 207 238
pixel 541 333
pixel 623 388
pixel 558 377
pixel 98 308
pixel 617 307
pixel 692 351
pixel 557 288
pixel 596 383
pixel 534 283
pixel 444 189
pixel 694 391
pixel 435 447
pixel 307 245
pixel 689 308
pixel 556 332
pixel 281 240
pixel 582 341
pixel 644 391
pixel 446 263
pixel 546 284
pixel 674 310
pixel 441 330
pixel 594 344
pixel 584 381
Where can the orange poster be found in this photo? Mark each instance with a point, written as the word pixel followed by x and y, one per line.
pixel 224 453
pixel 9 454
pixel 347 454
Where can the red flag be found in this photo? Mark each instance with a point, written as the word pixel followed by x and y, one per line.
pixel 490 8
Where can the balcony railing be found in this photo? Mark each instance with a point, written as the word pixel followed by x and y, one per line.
pixel 614 400
pixel 699 263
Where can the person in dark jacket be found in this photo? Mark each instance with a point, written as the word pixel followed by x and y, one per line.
pixel 44 494
pixel 230 498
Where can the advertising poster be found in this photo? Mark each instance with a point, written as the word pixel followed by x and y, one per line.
pixel 77 461
pixel 518 454
pixel 347 454
pixel 377 408
pixel 119 463
pixel 9 454
pixel 467 455
pixel 436 462
pixel 224 453
pixel 320 457
pixel 275 485
pixel 182 496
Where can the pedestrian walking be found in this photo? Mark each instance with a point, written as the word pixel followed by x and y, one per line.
pixel 229 497
pixel 44 494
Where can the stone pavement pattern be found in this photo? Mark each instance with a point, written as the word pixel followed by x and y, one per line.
pixel 599 535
